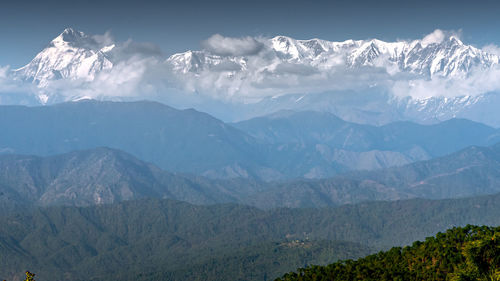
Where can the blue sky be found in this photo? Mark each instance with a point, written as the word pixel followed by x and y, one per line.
pixel 27 26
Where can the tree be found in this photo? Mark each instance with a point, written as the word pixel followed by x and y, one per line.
pixel 30 276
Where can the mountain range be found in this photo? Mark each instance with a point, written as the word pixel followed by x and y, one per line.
pixel 224 83
pixel 176 140
pixel 470 172
pixel 98 176
pixel 106 176
pixel 76 55
pixel 282 146
pixel 448 57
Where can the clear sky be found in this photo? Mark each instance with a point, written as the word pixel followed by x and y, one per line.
pixel 27 26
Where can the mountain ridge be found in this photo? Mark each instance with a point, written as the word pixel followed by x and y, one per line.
pixel 189 141
pixel 104 176
pixel 450 57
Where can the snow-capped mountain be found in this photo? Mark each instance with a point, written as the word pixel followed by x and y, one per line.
pixel 449 57
pixel 74 55
pixel 71 55
pixel 282 73
pixel 441 60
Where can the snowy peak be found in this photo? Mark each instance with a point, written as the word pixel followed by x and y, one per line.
pixel 294 49
pixel 186 62
pixel 71 55
pixel 447 58
pixel 195 62
pixel 70 37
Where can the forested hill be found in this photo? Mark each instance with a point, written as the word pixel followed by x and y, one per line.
pixel 468 253
pixel 170 240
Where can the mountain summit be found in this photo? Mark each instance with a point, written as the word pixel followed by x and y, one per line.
pixel 71 55
pixel 71 37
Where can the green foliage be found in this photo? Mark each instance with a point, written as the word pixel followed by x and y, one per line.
pixel 468 253
pixel 160 240
pixel 171 240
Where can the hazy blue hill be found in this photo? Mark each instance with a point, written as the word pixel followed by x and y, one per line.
pixel 100 176
pixel 170 240
pixel 176 140
pixel 474 170
pixel 441 138
pixel 282 146
pixel 103 175
pixel 310 127
pixel 470 172
pixel 323 145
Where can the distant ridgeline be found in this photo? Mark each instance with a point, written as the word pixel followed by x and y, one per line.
pixel 468 253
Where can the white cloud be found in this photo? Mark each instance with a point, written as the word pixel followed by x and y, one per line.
pixel 229 46
pixel 480 81
pixel 13 91
pixel 295 69
pixel 105 39
pixel 127 79
pixel 131 48
pixel 435 37
pixel 492 49
pixel 438 36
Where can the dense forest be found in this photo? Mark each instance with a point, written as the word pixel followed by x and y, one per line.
pixel 160 240
pixel 468 253
pixel 171 240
